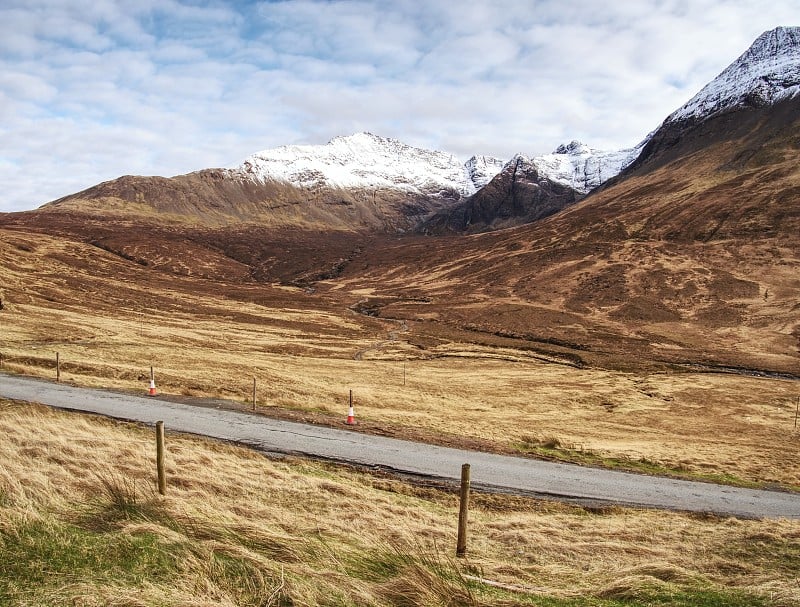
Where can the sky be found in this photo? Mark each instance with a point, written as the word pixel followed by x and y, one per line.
pixel 94 89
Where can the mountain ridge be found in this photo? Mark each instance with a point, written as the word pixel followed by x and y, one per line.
pixel 368 161
pixel 367 182
pixel 355 182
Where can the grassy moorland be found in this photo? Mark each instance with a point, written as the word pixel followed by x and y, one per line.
pixel 81 524
pixel 110 320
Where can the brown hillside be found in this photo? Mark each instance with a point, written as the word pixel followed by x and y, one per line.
pixel 219 197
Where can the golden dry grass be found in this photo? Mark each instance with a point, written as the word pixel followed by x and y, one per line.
pixel 110 320
pixel 237 528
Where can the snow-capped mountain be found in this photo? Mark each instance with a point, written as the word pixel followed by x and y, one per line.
pixel 583 168
pixel 767 72
pixel 528 189
pixel 367 161
pixel 364 181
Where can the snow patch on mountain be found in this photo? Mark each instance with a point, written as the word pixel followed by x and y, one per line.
pixel 767 72
pixel 368 161
pixel 482 169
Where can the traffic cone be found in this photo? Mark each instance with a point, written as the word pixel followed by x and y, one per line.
pixel 351 416
pixel 152 391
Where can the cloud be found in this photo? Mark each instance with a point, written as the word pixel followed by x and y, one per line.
pixel 94 89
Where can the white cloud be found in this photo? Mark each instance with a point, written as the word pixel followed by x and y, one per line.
pixel 94 89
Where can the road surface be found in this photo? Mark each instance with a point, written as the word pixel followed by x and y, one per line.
pixel 488 471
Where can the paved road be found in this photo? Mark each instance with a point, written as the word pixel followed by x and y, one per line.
pixel 491 472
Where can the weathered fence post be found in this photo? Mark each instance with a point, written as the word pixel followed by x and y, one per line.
pixel 162 479
pixel 461 545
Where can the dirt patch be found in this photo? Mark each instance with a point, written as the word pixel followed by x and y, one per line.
pixel 604 288
pixel 643 309
pixel 726 286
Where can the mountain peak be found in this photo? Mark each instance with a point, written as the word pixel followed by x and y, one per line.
pixel 360 135
pixel 781 41
pixel 365 138
pixel 573 147
pixel 767 72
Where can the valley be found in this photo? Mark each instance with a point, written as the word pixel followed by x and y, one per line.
pixel 425 377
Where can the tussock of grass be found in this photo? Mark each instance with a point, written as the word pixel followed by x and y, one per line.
pixel 38 552
pixel 236 528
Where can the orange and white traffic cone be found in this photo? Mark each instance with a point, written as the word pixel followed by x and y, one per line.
pixel 152 391
pixel 351 416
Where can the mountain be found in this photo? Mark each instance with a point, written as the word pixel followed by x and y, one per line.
pixel 530 189
pixel 766 73
pixel 371 163
pixel 354 183
pixel 583 168
pixel 368 164
pixel 519 194
pixel 764 76
pixel 361 182
pixel 527 189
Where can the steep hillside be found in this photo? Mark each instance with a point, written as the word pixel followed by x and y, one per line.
pixel 218 197
pixel 765 75
pixel 518 194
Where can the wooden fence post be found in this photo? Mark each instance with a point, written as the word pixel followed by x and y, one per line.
pixel 162 480
pixel 461 545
